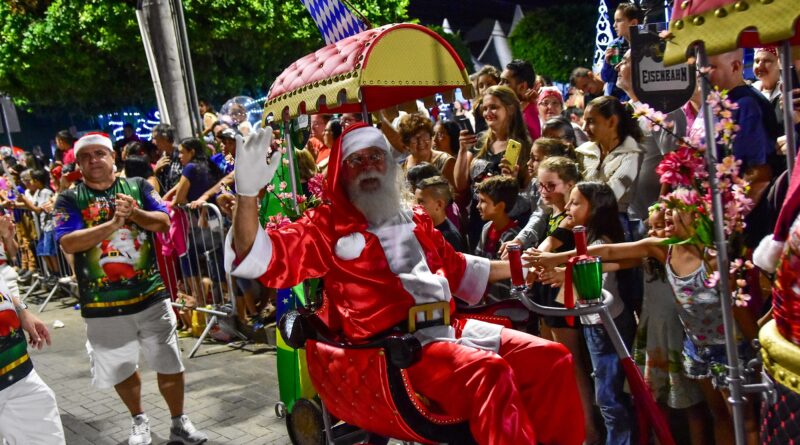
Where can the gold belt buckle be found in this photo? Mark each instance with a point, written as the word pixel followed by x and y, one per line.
pixel 428 309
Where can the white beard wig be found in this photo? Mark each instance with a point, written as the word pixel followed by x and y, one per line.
pixel 383 203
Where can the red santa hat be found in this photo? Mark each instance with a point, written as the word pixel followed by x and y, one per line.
pixel 356 137
pixel 769 251
pixel 93 138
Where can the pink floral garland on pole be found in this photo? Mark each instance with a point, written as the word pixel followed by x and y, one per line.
pixel 684 172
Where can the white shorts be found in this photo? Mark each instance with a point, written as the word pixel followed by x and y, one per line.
pixel 28 413
pixel 113 344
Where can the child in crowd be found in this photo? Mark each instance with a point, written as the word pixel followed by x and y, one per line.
pixel 425 170
pixel 25 226
pixel 535 228
pixel 556 178
pixel 593 205
pixel 434 194
pixel 42 197
pixel 688 267
pixel 659 342
pixel 496 196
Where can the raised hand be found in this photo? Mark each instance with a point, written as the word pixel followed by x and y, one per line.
pixel 253 170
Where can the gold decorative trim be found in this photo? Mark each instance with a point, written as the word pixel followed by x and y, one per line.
pixel 11 366
pixel 127 302
pixel 781 357
pixel 719 28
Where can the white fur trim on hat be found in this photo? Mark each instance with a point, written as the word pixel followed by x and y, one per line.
pixel 362 138
pixel 93 139
pixel 768 253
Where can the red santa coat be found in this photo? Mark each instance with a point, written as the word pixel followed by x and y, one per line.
pixel 356 270
pixel 523 387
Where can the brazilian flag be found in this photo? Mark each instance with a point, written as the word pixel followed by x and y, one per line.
pixel 293 379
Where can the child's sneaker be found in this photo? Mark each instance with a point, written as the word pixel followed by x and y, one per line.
pixel 140 430
pixel 184 431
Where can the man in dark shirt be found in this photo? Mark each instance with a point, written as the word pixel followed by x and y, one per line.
pixel 754 143
pixel 589 83
pixel 168 168
pixel 520 76
pixel 107 224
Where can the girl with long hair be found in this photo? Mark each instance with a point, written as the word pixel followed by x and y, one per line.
pixel 480 155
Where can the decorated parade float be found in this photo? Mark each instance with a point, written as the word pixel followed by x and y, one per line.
pixel 334 392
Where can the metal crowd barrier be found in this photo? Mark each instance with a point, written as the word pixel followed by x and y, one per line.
pixel 29 232
pixel 200 271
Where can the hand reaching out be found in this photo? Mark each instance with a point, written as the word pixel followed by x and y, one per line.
pixel 554 277
pixel 503 251
pixel 538 258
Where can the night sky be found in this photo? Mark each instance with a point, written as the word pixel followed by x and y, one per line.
pixel 463 14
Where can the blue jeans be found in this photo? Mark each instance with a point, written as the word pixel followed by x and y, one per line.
pixel 609 378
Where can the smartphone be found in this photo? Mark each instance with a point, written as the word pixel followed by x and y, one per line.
pixel 512 151
pixel 795 82
pixel 464 123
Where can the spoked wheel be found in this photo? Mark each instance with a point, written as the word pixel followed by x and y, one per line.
pixel 305 424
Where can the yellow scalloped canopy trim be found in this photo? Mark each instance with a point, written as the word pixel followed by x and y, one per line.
pixel 720 28
pixel 325 92
pixel 411 57
pixel 781 357
pixel 399 57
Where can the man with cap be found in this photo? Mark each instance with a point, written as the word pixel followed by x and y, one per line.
pixel 107 223
pixel 379 259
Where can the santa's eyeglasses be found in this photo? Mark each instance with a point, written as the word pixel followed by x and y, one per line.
pixel 356 161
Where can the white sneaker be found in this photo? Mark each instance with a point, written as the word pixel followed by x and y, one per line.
pixel 140 431
pixel 184 431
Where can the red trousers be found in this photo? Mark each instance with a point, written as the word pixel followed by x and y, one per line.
pixel 526 394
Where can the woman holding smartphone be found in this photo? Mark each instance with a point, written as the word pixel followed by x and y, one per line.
pixel 480 155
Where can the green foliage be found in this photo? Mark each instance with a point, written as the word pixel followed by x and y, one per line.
pixel 458 44
pixel 556 39
pixel 88 57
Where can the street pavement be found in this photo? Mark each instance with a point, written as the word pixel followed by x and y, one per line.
pixel 230 393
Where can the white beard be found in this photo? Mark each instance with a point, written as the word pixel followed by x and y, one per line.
pixel 382 204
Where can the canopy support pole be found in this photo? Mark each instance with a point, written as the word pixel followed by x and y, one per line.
pixel 290 152
pixel 786 97
pixel 365 116
pixel 734 380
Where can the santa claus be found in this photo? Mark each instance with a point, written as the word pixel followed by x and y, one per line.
pixel 119 254
pixel 379 259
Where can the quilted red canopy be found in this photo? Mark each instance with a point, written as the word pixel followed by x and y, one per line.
pixel 382 68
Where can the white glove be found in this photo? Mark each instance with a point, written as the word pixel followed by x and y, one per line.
pixel 252 171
